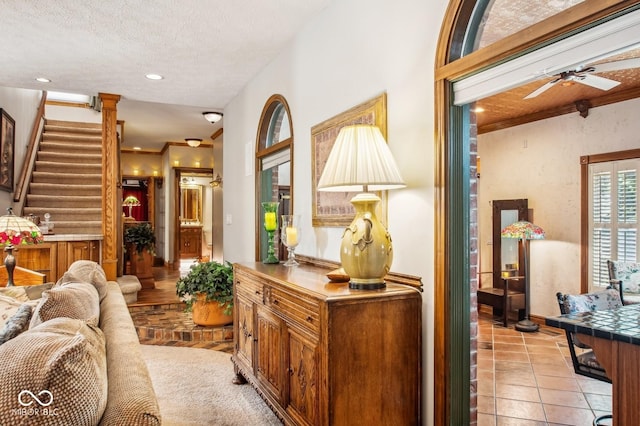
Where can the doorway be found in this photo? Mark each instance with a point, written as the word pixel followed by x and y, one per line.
pixel 456 203
pixel 194 217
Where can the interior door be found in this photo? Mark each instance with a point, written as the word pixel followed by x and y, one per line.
pixel 507 252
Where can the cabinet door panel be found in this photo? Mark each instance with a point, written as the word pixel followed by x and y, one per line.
pixel 269 355
pixel 244 317
pixel 303 378
pixel 40 258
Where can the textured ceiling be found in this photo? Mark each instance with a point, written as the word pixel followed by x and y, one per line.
pixel 207 50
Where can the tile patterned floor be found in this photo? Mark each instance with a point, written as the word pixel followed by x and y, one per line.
pixel 524 379
pixel 527 379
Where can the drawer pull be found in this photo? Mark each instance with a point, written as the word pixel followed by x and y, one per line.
pixel 309 319
pixel 275 301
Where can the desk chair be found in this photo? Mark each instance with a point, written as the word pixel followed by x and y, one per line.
pixel 586 363
pixel 626 277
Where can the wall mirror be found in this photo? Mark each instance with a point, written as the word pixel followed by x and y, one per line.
pixel 507 254
pixel 191 203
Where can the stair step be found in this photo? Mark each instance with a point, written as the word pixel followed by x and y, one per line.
pixel 170 323
pixel 72 139
pixel 45 201
pixel 67 214
pixel 65 189
pixel 55 126
pixel 68 168
pixel 59 157
pixel 79 178
pixel 70 147
pixel 73 124
pixel 76 227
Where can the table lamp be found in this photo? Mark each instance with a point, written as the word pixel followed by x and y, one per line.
pixel 15 231
pixel 130 201
pixel 524 231
pixel 361 160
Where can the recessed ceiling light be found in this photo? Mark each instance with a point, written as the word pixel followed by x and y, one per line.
pixel 43 80
pixel 137 148
pixel 154 76
pixel 478 109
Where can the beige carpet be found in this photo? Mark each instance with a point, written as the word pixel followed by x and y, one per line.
pixel 194 387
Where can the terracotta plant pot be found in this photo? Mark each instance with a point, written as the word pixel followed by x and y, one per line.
pixel 141 265
pixel 209 313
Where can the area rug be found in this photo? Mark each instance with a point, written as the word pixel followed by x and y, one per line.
pixel 194 387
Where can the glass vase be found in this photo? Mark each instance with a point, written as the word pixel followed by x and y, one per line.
pixel 290 236
pixel 270 225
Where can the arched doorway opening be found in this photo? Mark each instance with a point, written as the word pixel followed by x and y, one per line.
pixel 455 364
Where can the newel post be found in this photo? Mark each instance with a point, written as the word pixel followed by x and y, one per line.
pixel 110 180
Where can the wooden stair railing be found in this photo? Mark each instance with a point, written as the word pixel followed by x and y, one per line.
pixel 30 156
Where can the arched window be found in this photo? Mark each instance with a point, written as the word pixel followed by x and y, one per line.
pixel 274 168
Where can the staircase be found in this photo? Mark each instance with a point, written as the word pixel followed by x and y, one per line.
pixel 67 178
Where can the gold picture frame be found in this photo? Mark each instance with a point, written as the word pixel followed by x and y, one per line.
pixel 335 208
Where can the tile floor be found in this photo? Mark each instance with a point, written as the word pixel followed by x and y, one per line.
pixel 524 379
pixel 527 379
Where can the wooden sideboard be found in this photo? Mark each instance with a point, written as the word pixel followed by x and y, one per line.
pixel 53 258
pixel 322 354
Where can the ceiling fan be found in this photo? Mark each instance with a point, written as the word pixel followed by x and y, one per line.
pixel 585 75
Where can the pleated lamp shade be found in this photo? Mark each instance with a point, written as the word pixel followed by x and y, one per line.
pixel 360 160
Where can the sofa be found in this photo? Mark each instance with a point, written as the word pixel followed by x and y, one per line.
pixel 69 354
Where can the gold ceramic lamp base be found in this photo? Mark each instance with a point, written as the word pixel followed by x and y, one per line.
pixel 366 253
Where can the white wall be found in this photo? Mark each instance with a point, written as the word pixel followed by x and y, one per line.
pixel 352 52
pixel 541 162
pixel 22 106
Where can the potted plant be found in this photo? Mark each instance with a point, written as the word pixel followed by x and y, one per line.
pixel 141 243
pixel 207 291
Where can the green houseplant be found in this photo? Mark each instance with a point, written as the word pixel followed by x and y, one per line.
pixel 207 290
pixel 141 237
pixel 140 242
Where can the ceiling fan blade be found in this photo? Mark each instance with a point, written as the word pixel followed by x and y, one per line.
pixel 598 82
pixel 542 89
pixel 617 65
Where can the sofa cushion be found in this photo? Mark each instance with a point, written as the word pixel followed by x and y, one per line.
pixel 90 272
pixel 73 300
pixel 18 323
pixel 62 381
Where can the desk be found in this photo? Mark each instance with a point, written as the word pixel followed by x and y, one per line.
pixel 614 336
pixel 510 296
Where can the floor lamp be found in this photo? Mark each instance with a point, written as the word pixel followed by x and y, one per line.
pixel 525 232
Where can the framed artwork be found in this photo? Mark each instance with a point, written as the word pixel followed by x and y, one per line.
pixel 335 208
pixel 7 145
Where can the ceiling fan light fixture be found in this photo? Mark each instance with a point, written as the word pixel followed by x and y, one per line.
pixel 193 142
pixel 212 117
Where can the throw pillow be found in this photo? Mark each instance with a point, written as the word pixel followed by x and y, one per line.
pixel 90 272
pixel 54 374
pixel 18 323
pixel 8 307
pixel 15 292
pixel 73 300
pixel 35 291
